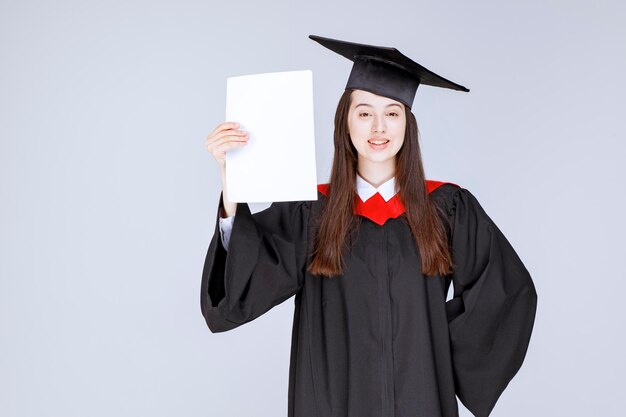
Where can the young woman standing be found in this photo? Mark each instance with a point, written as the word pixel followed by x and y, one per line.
pixel 370 263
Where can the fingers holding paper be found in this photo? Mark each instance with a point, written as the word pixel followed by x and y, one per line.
pixel 224 137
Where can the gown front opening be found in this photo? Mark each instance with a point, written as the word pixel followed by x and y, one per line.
pixel 380 340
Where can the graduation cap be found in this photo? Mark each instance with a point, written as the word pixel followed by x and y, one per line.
pixel 385 71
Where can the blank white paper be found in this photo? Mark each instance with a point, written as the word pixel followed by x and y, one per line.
pixel 278 163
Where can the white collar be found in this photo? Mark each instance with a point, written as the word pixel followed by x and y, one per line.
pixel 367 190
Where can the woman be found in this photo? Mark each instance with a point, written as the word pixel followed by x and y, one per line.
pixel 370 263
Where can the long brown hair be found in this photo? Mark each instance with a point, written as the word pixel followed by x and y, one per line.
pixel 337 219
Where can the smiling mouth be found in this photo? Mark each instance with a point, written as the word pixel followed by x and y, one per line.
pixel 378 142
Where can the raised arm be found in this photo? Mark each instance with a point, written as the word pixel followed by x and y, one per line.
pixel 224 137
pixel 266 256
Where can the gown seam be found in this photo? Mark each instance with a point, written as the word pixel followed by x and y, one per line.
pixel 381 314
pixel 315 400
pixel 392 403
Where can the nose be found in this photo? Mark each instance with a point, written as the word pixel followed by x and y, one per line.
pixel 378 124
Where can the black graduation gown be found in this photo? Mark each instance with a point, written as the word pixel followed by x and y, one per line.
pixel 381 340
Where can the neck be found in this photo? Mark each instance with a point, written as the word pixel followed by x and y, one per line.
pixel 376 173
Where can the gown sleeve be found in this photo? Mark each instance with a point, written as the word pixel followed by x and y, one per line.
pixel 492 312
pixel 263 267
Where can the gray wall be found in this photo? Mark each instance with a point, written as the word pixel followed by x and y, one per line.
pixel 109 198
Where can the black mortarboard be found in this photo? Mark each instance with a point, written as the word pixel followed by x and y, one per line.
pixel 385 71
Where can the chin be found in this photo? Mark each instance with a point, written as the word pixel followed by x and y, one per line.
pixel 379 158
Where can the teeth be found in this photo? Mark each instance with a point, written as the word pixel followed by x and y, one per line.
pixel 378 142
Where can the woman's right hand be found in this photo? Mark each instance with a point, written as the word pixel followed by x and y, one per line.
pixel 224 137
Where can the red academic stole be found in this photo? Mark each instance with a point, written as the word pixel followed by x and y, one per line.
pixel 376 208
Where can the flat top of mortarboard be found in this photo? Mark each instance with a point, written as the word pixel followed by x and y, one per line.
pixel 392 56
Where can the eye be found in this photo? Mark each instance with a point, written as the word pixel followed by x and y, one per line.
pixel 394 114
pixel 362 114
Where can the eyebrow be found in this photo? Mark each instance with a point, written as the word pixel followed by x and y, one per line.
pixel 369 105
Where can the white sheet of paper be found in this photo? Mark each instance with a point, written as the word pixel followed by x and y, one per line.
pixel 278 163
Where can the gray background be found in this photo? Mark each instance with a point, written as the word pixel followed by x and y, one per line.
pixel 109 198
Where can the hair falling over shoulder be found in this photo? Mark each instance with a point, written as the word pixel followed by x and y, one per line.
pixel 337 219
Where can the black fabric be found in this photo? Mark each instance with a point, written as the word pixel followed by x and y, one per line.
pixel 380 340
pixel 385 71
pixel 383 79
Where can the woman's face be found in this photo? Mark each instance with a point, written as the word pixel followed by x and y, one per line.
pixel 376 125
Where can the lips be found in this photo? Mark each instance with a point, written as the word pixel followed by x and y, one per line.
pixel 378 144
pixel 377 141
